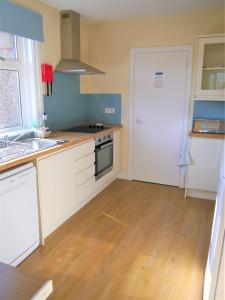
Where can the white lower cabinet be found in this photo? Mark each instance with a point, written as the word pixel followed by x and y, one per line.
pixel 59 176
pixel 66 182
pixel 84 163
pixel 83 172
pixel 84 190
pixel 204 171
pixel 84 176
pixel 56 192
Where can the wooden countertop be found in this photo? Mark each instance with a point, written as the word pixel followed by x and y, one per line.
pixel 73 138
pixel 19 285
pixel 207 135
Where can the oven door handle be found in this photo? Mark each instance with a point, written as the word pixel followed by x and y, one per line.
pixel 105 146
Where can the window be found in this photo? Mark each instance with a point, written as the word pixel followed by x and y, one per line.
pixel 20 95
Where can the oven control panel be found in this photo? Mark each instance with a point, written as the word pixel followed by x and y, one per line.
pixel 103 138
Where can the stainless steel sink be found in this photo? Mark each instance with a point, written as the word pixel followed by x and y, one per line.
pixel 13 150
pixel 40 144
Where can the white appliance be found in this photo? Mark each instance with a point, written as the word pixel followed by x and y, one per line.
pixel 19 225
pixel 213 274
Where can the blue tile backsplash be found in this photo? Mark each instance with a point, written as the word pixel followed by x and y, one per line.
pixel 209 110
pixel 67 107
pixel 96 108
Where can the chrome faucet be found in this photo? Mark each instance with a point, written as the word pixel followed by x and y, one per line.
pixel 19 136
pixel 4 141
pixel 33 130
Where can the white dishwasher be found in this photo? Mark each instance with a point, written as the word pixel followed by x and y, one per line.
pixel 19 225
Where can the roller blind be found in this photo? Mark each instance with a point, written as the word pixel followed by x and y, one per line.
pixel 20 21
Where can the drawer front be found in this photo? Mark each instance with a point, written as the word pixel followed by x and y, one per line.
pixel 84 163
pixel 83 150
pixel 85 189
pixel 84 176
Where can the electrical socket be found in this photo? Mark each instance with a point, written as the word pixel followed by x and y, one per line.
pixel 110 110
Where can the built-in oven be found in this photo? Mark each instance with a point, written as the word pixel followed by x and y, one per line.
pixel 103 155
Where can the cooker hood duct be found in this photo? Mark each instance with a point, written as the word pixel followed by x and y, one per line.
pixel 70 46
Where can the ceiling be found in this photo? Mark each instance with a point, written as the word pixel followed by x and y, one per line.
pixel 104 10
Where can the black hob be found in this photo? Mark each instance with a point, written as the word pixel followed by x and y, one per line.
pixel 91 128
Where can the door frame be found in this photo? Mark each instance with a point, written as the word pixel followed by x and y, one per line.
pixel 184 48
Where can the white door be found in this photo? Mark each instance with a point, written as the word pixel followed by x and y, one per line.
pixel 159 106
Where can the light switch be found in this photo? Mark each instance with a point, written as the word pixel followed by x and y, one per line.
pixel 110 110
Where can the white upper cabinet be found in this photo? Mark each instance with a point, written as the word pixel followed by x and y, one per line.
pixel 210 73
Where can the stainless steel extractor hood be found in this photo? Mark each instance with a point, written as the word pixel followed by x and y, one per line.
pixel 70 46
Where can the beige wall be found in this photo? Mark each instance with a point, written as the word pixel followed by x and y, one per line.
pixel 109 47
pixel 50 49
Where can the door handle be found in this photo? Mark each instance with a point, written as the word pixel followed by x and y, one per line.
pixel 139 121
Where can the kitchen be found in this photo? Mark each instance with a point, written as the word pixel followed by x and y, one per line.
pixel 99 133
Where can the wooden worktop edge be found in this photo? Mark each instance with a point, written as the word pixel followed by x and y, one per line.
pixel 77 140
pixel 18 284
pixel 207 135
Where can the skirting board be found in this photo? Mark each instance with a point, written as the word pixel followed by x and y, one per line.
pixel 25 254
pixel 60 221
pixel 123 175
pixel 201 194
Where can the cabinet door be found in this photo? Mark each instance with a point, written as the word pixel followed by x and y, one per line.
pixel 84 191
pixel 83 150
pixel 84 172
pixel 204 172
pixel 56 189
pixel 210 77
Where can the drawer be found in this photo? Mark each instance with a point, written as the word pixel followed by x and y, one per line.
pixel 85 189
pixel 83 150
pixel 84 163
pixel 84 176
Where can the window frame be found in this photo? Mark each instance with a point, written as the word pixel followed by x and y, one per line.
pixel 31 95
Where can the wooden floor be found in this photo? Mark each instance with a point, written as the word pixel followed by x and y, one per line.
pixel 134 241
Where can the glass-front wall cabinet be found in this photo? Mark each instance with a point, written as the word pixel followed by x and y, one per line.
pixel 210 79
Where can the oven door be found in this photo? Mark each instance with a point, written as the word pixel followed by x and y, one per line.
pixel 103 159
